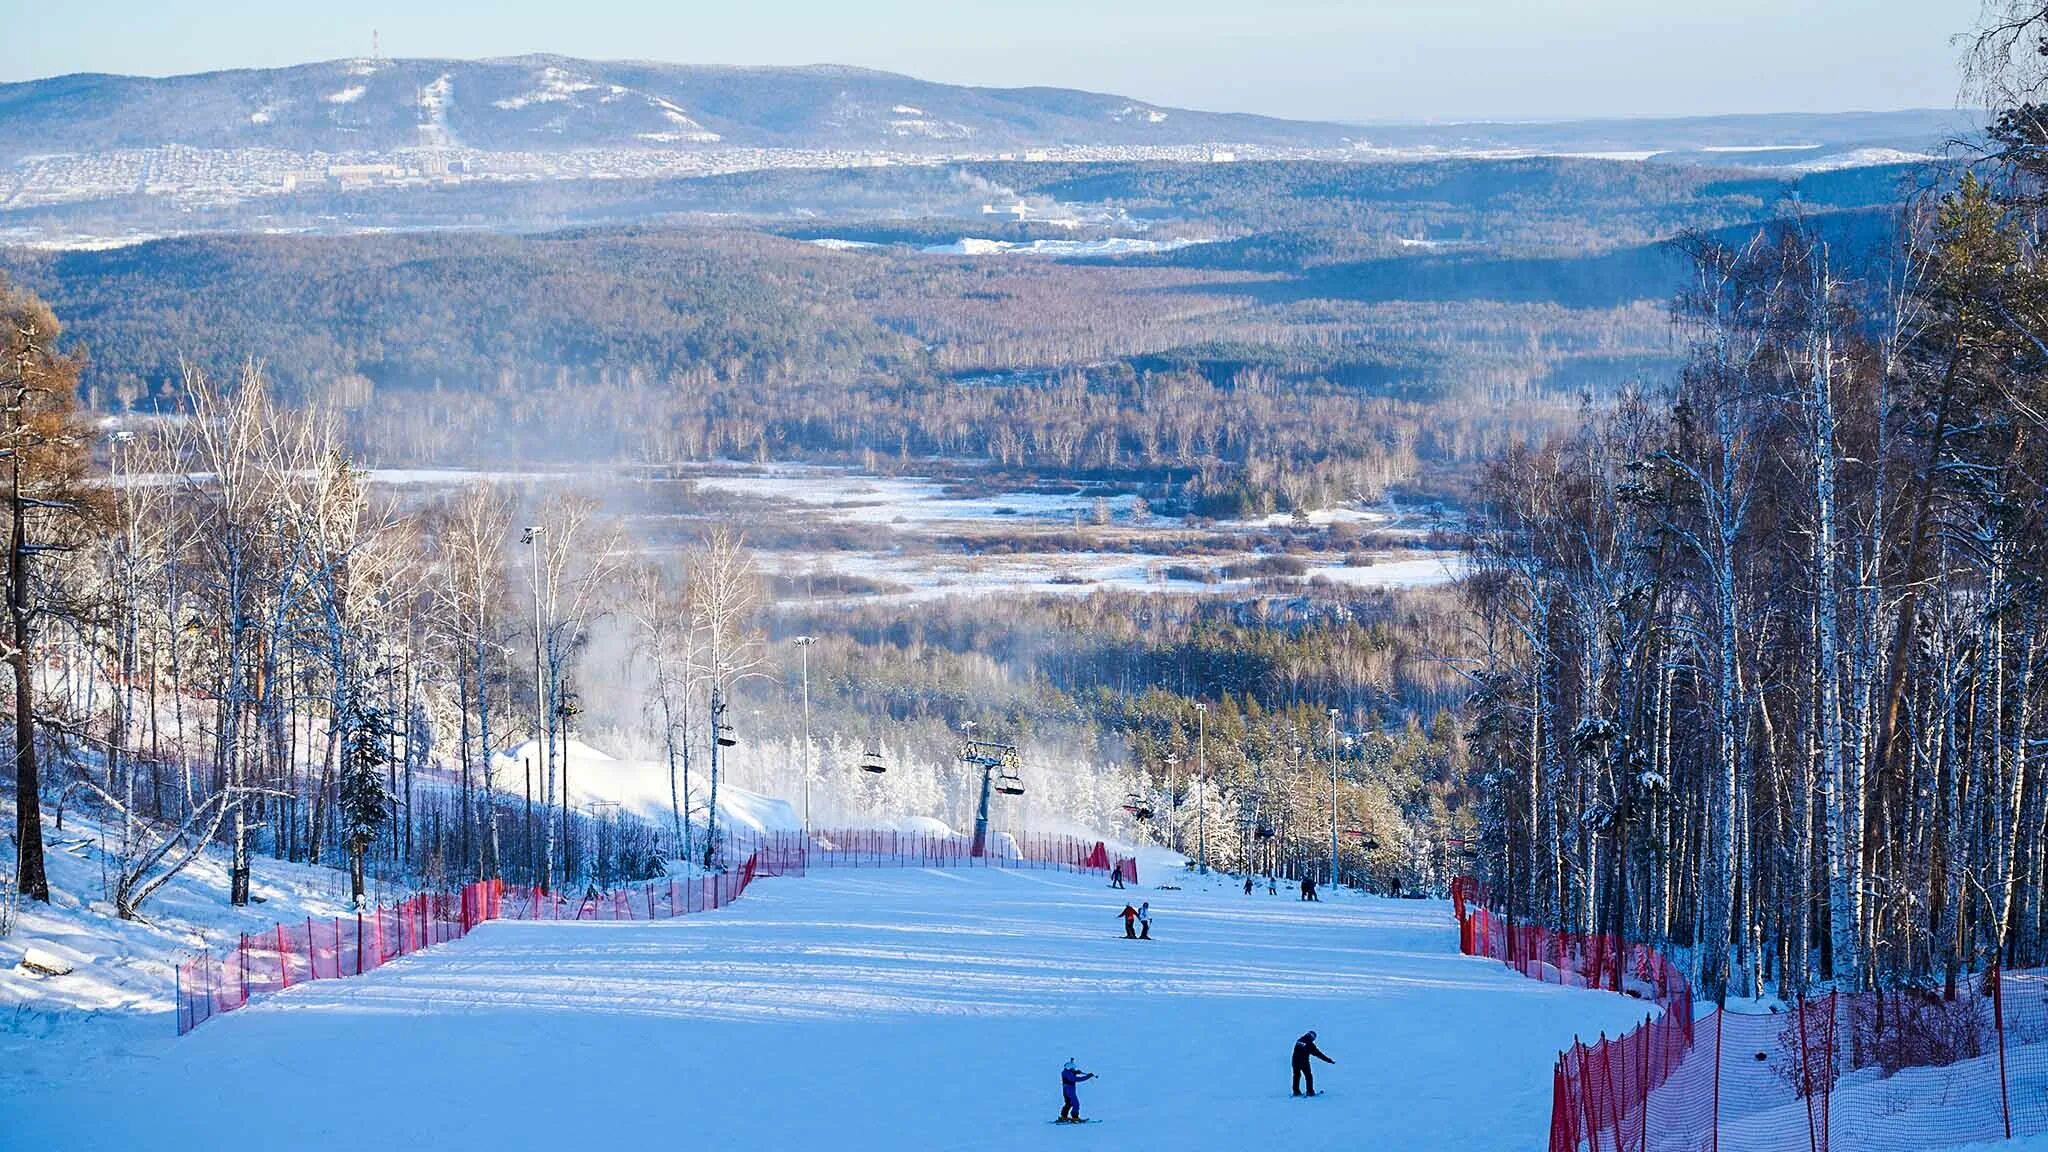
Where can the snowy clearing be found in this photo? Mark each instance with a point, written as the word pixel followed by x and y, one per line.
pixel 855 1010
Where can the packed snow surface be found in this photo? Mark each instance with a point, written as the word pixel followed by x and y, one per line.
pixel 853 1010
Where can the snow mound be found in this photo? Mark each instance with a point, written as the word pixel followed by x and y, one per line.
pixel 641 788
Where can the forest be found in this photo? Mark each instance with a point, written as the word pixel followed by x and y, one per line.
pixel 1761 673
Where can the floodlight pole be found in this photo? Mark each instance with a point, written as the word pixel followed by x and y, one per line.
pixel 1333 798
pixel 804 643
pixel 1202 786
pixel 540 694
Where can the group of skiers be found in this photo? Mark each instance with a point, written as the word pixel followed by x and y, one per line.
pixel 1138 926
pixel 1137 921
pixel 1304 1077
pixel 1308 887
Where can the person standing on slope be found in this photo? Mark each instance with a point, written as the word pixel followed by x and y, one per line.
pixel 1130 916
pixel 1070 1107
pixel 1145 920
pixel 1247 883
pixel 1116 875
pixel 1303 1049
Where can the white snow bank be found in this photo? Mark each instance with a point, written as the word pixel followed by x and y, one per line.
pixel 641 787
pixel 130 965
pixel 1111 246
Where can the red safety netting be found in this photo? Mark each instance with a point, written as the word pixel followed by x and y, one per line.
pixel 881 848
pixel 653 900
pixel 288 954
pixel 1905 1069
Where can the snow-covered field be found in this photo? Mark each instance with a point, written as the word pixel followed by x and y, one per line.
pixel 874 1009
pixel 907 509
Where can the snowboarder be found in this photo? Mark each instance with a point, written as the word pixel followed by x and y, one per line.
pixel 1130 916
pixel 1116 875
pixel 1145 920
pixel 1070 1108
pixel 1308 888
pixel 1303 1049
pixel 1247 883
pixel 1272 885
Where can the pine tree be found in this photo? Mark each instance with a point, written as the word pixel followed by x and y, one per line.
pixel 365 800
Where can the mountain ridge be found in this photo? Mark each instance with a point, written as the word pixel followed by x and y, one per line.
pixel 550 103
pixel 545 102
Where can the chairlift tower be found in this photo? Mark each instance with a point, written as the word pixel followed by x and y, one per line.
pixel 998 763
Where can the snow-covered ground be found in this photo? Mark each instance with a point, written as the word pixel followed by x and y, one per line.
pixel 870 1009
pixel 910 510
pixel 1111 246
pixel 126 967
pixel 641 787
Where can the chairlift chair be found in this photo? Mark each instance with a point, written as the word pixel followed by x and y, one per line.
pixel 726 736
pixel 871 761
pixel 1138 807
pixel 1009 784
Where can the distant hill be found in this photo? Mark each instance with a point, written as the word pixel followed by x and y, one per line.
pixel 553 104
pixel 550 104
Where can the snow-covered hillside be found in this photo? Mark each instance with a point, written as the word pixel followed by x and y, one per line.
pixel 641 787
pixel 128 966
pixel 856 1010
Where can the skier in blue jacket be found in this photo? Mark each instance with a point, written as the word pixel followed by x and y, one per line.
pixel 1070 1112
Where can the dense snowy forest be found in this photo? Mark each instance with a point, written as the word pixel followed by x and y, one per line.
pixel 1764 646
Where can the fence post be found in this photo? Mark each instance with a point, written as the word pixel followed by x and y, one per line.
pixel 1998 1018
pixel 1579 1051
pixel 359 942
pixel 1720 1026
pixel 1643 1035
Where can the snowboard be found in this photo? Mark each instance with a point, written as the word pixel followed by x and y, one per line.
pixel 1073 1121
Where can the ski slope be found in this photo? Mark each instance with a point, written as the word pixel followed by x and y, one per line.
pixel 854 1010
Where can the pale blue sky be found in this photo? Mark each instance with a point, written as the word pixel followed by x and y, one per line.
pixel 1322 59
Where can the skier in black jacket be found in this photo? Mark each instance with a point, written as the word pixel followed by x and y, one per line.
pixel 1303 1049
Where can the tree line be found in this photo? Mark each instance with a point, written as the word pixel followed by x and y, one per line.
pixel 1760 649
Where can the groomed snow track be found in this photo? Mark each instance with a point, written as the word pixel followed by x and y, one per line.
pixel 853 1010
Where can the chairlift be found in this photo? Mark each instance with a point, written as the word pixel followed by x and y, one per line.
pixel 1009 784
pixel 1138 807
pixel 726 736
pixel 871 761
pixel 1263 832
pixel 1364 837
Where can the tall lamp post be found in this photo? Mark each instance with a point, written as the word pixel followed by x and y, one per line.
pixel 1170 760
pixel 1333 797
pixel 804 643
pixel 532 537
pixel 1202 785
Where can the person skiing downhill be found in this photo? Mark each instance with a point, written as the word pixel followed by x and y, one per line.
pixel 1303 1049
pixel 1130 916
pixel 1070 1107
